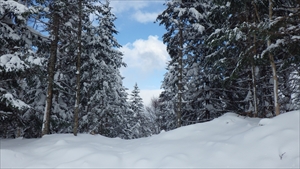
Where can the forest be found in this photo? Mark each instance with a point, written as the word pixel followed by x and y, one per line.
pixel 60 66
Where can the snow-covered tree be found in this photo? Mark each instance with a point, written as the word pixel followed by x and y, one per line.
pixel 244 59
pixel 166 117
pixel 188 26
pixel 226 60
pixel 153 112
pixel 136 102
pixel 17 59
pixel 174 20
pixel 137 123
pixel 103 100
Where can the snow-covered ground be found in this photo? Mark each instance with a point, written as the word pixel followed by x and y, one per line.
pixel 230 141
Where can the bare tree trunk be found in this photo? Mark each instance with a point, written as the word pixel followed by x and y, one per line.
pixel 179 104
pixel 254 89
pixel 253 72
pixel 273 66
pixel 51 72
pixel 79 50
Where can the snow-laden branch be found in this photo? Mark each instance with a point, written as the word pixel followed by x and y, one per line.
pixel 19 104
pixel 273 46
pixel 10 62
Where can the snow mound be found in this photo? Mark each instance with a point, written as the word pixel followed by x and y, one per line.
pixel 230 141
pixel 263 122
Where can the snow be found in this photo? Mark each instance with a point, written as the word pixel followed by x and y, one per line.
pixel 230 141
pixel 199 28
pixel 238 34
pixel 11 62
pixel 11 4
pixel 195 13
pixel 295 37
pixel 15 102
pixel 228 4
pixel 273 46
pixel 36 61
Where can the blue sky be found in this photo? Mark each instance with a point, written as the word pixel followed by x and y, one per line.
pixel 143 49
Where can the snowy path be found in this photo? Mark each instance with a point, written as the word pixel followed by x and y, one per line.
pixel 226 142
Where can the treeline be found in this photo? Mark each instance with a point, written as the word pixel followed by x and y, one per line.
pixel 60 71
pixel 59 66
pixel 229 56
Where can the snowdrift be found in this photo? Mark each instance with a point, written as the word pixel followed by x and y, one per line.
pixel 230 141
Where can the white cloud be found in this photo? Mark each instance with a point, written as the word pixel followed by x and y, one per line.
pixel 146 55
pixel 144 17
pixel 147 95
pixel 136 9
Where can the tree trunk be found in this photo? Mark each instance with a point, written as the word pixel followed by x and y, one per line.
pixel 273 66
pixel 79 50
pixel 51 72
pixel 253 72
pixel 179 105
pixel 254 89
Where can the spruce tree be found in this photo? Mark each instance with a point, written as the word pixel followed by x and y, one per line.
pixel 188 26
pixel 18 59
pixel 138 124
pixel 136 102
pixel 103 95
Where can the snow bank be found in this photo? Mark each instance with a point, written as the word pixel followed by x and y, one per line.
pixel 230 141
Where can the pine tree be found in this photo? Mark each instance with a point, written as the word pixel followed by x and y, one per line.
pixel 135 117
pixel 282 18
pixel 225 67
pixel 188 27
pixel 154 114
pixel 18 64
pixel 247 31
pixel 100 79
pixel 137 123
pixel 167 117
pixel 136 102
pixel 64 91
pixel 104 102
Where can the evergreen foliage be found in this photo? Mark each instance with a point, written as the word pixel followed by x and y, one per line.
pixel 136 102
pixel 138 124
pixel 103 101
pixel 17 60
pixel 226 56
